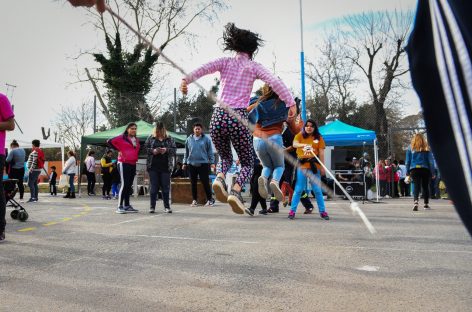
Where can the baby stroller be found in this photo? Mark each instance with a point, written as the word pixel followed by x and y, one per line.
pixel 10 188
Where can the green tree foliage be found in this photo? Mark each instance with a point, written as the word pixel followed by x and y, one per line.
pixel 127 77
pixel 189 110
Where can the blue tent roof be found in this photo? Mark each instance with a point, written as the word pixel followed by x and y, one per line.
pixel 338 133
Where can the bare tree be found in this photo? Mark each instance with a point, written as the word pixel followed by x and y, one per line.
pixel 74 122
pixel 376 43
pixel 332 78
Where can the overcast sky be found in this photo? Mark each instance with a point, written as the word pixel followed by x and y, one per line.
pixel 40 41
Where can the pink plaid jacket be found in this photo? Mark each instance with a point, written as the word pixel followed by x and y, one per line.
pixel 237 79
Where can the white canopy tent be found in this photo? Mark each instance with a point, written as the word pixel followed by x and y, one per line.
pixel 24 140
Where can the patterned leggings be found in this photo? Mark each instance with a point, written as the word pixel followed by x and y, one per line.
pixel 224 131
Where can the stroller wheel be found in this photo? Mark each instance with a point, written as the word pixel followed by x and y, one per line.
pixel 14 214
pixel 23 216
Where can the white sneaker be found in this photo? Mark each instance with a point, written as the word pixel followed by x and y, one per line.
pixel 210 203
pixel 262 186
pixel 274 187
pixel 194 204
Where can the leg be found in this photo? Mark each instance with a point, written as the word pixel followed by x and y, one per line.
pixel 3 203
pixel 193 174
pixel 316 186
pixel 165 186
pixel 131 172
pixel 203 172
pixel 241 138
pixel 299 188
pixel 425 182
pixel 71 183
pixel 94 180
pixel 123 190
pixel 219 135
pixel 154 187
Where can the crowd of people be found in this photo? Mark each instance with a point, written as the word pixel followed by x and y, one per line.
pixel 273 114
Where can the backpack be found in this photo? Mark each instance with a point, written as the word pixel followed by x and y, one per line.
pixel 269 112
pixel 40 159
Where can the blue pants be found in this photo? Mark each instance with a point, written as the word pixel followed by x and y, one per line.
pixel 71 183
pixel 301 186
pixel 160 179
pixel 33 183
pixel 272 160
pixel 114 189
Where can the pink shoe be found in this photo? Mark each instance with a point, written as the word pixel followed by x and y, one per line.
pixel 291 215
pixel 324 215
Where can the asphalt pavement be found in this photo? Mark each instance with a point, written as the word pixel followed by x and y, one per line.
pixel 78 255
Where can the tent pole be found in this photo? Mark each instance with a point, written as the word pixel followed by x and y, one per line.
pixel 376 156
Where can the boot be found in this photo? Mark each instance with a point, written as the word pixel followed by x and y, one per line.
pixel 72 195
pixel 67 195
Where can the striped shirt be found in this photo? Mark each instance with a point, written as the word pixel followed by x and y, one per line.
pixel 237 79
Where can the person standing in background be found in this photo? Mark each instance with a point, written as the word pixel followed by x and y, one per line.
pixel 7 122
pixel 200 159
pixel 90 172
pixel 35 165
pixel 16 159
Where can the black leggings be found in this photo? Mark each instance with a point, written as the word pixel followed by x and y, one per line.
pixel 127 173
pixel 18 174
pixel 3 204
pixel 420 177
pixel 256 197
pixel 91 182
pixel 106 184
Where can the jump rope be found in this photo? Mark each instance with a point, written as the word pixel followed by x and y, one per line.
pixel 355 209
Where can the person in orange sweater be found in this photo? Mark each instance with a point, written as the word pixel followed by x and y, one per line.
pixel 269 113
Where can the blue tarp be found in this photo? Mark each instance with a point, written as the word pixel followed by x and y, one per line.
pixel 338 133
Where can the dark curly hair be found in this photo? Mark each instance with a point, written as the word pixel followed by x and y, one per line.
pixel 241 40
pixel 316 133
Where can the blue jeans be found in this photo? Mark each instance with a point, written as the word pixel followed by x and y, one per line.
pixel 71 182
pixel 33 183
pixel 159 180
pixel 272 160
pixel 300 186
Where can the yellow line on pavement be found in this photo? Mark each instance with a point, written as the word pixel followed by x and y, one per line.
pixel 87 209
pixel 27 229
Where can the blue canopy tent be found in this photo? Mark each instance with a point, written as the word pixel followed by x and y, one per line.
pixel 338 133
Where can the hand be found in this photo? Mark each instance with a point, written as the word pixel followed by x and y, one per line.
pixel 183 87
pixel 184 167
pixel 433 177
pixel 213 167
pixel 100 4
pixel 155 151
pixel 292 112
pixel 322 171
pixel 163 150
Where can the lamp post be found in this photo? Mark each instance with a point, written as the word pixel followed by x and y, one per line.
pixel 302 65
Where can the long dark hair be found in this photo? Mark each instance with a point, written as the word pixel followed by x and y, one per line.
pixel 241 40
pixel 131 124
pixel 316 133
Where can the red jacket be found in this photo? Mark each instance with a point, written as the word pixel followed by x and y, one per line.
pixel 128 153
pixel 381 171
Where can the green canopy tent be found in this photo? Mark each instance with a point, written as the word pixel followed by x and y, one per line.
pixel 144 131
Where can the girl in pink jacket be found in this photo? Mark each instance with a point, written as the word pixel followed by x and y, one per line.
pixel 127 144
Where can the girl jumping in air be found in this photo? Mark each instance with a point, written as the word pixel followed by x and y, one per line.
pixel 238 74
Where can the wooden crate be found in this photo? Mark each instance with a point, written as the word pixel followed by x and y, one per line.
pixel 181 190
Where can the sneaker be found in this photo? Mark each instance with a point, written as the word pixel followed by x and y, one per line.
pixel 104 197
pixel 324 215
pixel 130 209
pixel 194 204
pixel 308 211
pixel 249 211
pixel 210 202
pixel 415 207
pixel 291 215
pixel 22 200
pixel 236 202
pixel 426 207
pixel 273 210
pixel 120 210
pixel 262 186
pixel 31 200
pixel 274 187
pixel 167 210
pixel 152 210
pixel 263 212
pixel 220 189
pixel 2 236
